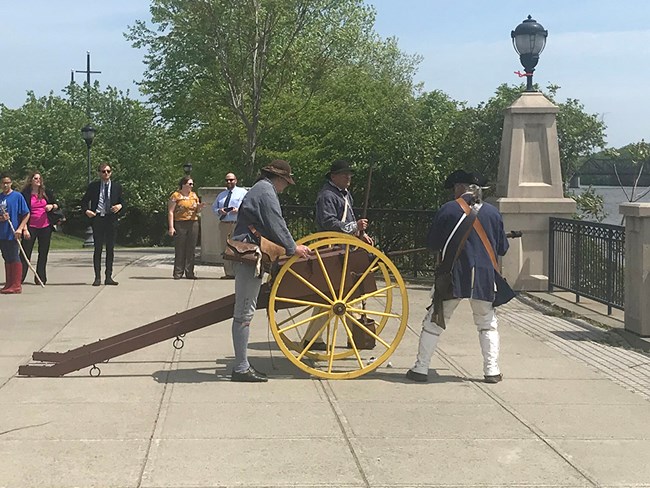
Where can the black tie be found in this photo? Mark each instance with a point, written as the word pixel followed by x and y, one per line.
pixel 225 204
pixel 106 202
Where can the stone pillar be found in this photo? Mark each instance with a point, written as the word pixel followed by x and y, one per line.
pixel 529 188
pixel 637 267
pixel 210 252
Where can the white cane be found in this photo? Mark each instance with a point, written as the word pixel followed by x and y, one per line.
pixel 22 251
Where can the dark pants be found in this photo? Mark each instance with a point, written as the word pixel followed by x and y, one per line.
pixel 104 231
pixel 187 232
pixel 9 250
pixel 44 236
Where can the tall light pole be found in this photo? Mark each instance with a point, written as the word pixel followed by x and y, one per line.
pixel 88 135
pixel 529 39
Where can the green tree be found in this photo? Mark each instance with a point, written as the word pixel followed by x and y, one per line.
pixel 207 56
pixel 44 135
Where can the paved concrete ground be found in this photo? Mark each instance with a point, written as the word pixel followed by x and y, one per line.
pixel 572 411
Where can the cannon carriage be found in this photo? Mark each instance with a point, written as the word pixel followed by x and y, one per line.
pixel 352 292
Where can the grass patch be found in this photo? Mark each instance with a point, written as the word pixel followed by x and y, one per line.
pixel 65 241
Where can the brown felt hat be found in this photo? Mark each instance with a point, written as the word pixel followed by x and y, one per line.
pixel 281 168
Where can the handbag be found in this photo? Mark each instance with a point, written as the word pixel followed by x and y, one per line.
pixel 56 218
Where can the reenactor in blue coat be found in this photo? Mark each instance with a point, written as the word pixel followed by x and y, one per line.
pixel 472 274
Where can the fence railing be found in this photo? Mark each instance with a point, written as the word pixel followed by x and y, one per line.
pixel 393 230
pixel 587 259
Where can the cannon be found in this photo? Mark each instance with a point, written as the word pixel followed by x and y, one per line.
pixel 350 289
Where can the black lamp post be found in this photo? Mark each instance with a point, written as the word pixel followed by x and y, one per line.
pixel 187 167
pixel 88 135
pixel 529 39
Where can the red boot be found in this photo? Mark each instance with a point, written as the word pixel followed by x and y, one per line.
pixel 15 275
pixel 7 277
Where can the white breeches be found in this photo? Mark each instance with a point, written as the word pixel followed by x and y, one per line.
pixel 486 323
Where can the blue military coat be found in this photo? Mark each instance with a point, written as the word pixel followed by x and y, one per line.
pixel 473 272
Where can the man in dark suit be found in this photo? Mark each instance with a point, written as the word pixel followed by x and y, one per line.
pixel 102 203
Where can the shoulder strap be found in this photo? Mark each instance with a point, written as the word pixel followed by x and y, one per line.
pixel 478 227
pixel 462 229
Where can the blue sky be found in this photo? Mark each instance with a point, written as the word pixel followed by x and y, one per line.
pixel 597 50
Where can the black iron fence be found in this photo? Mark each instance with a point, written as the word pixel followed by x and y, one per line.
pixel 587 259
pixel 392 230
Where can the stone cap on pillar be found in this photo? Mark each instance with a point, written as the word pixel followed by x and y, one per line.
pixel 634 209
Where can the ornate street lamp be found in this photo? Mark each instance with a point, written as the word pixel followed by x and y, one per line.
pixel 88 135
pixel 187 167
pixel 529 39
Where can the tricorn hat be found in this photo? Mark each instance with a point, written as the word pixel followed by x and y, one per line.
pixel 461 176
pixel 281 168
pixel 339 166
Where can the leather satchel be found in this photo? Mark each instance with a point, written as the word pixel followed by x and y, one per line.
pixel 263 256
pixel 242 252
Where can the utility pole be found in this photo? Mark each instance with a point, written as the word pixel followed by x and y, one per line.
pixel 88 72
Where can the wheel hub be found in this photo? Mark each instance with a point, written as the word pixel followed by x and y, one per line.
pixel 339 308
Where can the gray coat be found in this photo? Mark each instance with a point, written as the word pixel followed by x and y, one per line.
pixel 261 209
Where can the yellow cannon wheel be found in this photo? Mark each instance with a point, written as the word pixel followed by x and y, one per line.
pixel 358 284
pixel 381 267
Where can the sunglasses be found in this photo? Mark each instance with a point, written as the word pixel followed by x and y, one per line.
pixel 107 171
pixel 230 179
pixel 190 184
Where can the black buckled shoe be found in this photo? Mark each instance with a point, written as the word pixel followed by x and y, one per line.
pixel 418 377
pixel 495 378
pixel 111 281
pixel 97 282
pixel 250 376
pixel 316 346
pixel 259 373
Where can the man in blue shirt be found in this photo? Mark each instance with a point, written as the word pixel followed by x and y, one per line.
pixel 13 212
pixel 226 208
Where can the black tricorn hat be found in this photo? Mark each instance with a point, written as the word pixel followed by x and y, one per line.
pixel 339 166
pixel 461 176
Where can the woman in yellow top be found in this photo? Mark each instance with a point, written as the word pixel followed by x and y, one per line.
pixel 182 215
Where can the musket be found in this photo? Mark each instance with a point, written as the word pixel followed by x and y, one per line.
pixel 366 197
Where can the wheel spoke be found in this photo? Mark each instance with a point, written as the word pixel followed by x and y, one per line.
pixel 372 294
pixel 363 277
pixel 333 345
pixel 303 321
pixel 310 286
pixel 367 330
pixel 372 312
pixel 291 317
pixel 344 270
pixel 297 301
pixel 352 343
pixel 325 274
pixel 311 342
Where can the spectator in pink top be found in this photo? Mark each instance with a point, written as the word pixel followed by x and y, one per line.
pixel 41 203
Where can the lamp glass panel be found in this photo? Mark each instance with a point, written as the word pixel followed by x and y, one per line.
pixel 530 43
